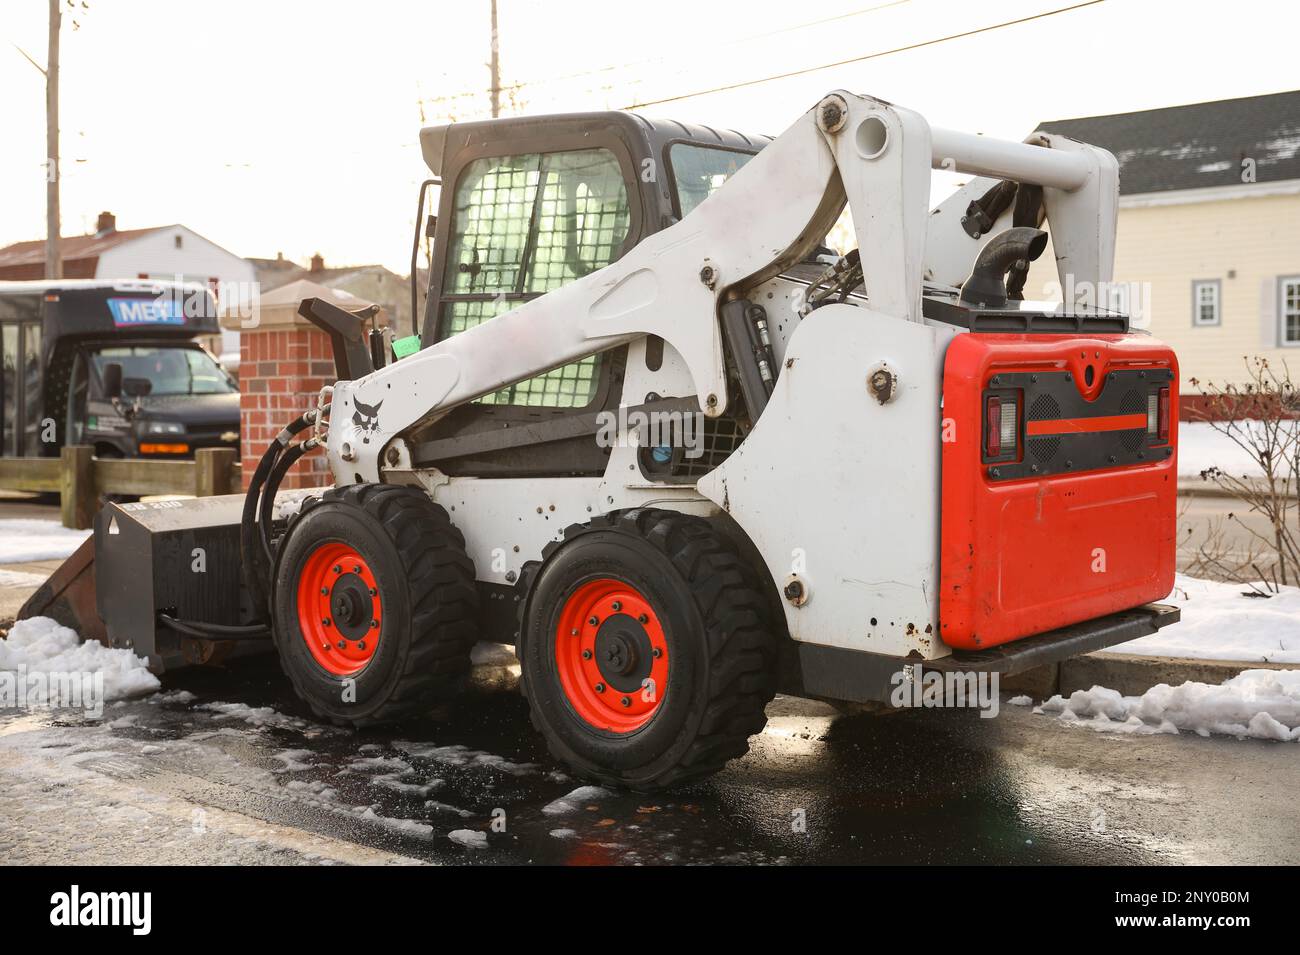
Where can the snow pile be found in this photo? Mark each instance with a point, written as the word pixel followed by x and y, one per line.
pixel 24 539
pixel 575 800
pixel 1263 704
pixel 1201 447
pixel 1220 623
pixel 42 645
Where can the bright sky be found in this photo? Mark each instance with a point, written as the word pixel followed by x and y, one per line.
pixel 271 126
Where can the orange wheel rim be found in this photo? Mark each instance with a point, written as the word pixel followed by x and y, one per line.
pixel 611 655
pixel 339 610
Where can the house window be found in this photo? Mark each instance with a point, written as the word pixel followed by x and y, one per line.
pixel 1289 309
pixel 1205 302
pixel 178 240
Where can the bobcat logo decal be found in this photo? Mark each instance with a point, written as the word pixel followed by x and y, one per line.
pixel 366 417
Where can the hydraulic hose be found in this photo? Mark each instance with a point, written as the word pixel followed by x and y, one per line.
pixel 986 286
pixel 248 546
pixel 214 631
pixel 266 510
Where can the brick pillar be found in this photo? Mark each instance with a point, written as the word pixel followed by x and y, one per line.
pixel 281 370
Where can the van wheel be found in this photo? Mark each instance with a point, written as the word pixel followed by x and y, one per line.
pixel 646 654
pixel 375 604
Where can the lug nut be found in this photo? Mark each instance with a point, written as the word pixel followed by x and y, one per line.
pixel 324 591
pixel 657 653
pixel 356 568
pixel 642 619
pixel 342 644
pixel 338 569
pixel 616 605
pixel 361 644
pixel 374 592
pixel 374 624
pixel 325 622
pixel 593 621
pixel 586 654
pixel 600 688
pixel 626 701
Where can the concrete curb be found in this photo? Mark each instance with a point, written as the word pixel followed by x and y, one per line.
pixel 1127 673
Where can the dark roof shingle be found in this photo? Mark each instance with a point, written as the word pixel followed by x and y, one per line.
pixel 1192 147
pixel 72 247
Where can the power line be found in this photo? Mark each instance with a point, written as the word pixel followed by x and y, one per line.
pixel 859 59
pixel 547 80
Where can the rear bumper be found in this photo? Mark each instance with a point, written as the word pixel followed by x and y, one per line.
pixel 1062 643
pixel 835 673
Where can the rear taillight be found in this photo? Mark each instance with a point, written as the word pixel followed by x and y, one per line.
pixel 993 427
pixel 1158 414
pixel 1000 425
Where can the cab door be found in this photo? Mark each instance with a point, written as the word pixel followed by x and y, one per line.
pixel 550 211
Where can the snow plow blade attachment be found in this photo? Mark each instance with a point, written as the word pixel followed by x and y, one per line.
pixel 178 558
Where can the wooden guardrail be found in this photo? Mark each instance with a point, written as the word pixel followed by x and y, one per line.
pixel 81 479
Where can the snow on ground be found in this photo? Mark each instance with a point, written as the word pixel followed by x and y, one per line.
pixel 469 838
pixel 24 539
pixel 42 645
pixel 1263 704
pixel 17 578
pixel 260 716
pixel 459 755
pixel 575 800
pixel 1220 623
pixel 1201 447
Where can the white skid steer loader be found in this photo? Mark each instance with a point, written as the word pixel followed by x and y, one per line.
pixel 682 456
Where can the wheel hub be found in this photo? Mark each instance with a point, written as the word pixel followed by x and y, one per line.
pixel 611 655
pixel 623 652
pixel 350 600
pixel 339 609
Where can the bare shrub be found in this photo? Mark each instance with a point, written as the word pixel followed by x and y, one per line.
pixel 1262 417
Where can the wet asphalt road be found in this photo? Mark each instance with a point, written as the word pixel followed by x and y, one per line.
pixel 179 778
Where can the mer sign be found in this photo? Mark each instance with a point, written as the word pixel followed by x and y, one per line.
pixel 129 312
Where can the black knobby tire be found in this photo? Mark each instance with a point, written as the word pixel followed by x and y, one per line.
pixel 721 647
pixel 425 585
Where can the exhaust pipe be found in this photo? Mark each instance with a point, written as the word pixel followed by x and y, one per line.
pixel 986 286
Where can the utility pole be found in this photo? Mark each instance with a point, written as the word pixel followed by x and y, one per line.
pixel 53 258
pixel 494 65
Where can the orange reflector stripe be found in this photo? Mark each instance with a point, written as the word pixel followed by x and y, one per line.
pixel 164 449
pixel 1115 422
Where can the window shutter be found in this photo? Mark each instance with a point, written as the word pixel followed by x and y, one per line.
pixel 1269 334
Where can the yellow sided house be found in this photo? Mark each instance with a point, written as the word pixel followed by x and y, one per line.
pixel 1208 247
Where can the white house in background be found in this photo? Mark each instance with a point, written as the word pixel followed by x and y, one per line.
pixel 160 252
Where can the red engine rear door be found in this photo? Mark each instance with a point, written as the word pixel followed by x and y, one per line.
pixel 1071 514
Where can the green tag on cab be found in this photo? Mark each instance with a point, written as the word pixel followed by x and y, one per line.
pixel 406 346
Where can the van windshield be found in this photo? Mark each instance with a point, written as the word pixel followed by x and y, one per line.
pixel 170 370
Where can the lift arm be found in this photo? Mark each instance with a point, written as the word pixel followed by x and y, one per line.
pixel 766 217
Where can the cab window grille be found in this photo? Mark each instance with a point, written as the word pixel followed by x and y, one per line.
pixel 526 225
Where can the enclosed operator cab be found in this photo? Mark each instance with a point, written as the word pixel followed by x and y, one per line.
pixel 113 365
